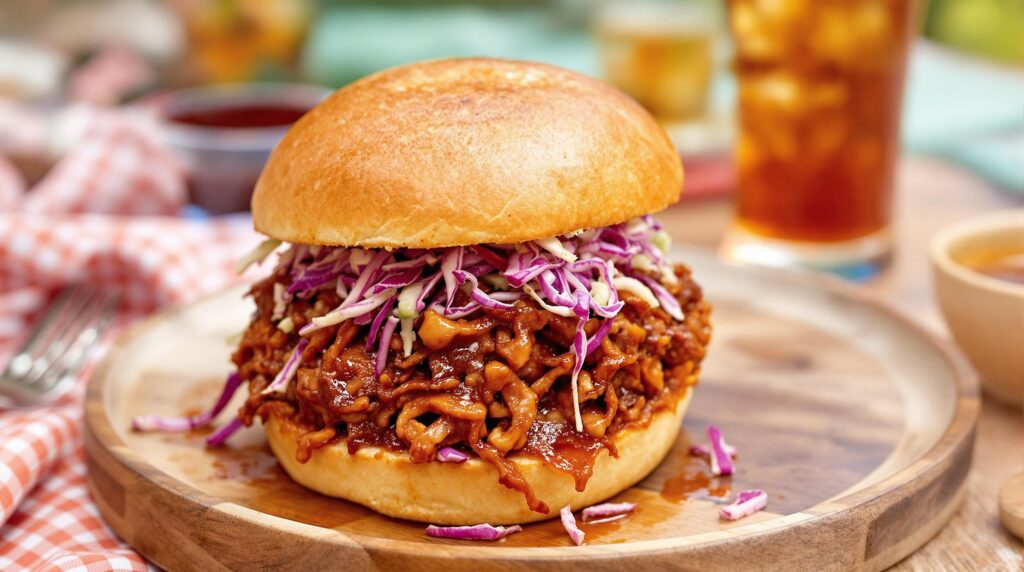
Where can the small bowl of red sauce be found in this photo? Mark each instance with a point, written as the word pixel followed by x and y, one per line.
pixel 224 134
pixel 978 266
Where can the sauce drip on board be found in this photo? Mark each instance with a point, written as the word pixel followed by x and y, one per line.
pixel 694 481
pixel 250 464
pixel 602 528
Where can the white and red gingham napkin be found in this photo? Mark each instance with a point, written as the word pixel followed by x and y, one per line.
pixel 74 225
pixel 111 162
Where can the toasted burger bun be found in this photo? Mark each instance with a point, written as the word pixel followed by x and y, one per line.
pixel 465 151
pixel 469 493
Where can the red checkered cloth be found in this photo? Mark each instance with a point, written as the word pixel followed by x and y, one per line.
pixel 47 519
pixel 114 164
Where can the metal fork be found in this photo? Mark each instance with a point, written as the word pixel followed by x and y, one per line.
pixel 44 368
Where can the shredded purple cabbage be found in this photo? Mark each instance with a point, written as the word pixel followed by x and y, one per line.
pixel 607 510
pixel 451 455
pixel 569 524
pixel 576 275
pixel 385 341
pixel 382 316
pixel 705 452
pixel 667 301
pixel 177 424
pixel 475 532
pixel 721 461
pixel 221 435
pixel 746 504
pixel 288 371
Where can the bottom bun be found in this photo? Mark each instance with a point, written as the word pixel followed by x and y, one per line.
pixel 469 493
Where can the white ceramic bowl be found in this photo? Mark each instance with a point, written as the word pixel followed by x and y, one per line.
pixel 984 314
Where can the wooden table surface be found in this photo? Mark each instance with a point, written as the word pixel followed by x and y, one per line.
pixel 931 194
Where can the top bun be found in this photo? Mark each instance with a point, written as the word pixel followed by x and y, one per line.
pixel 465 151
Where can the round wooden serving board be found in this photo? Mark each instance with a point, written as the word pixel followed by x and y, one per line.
pixel 858 424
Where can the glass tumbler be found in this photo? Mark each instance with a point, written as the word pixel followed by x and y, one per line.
pixel 820 91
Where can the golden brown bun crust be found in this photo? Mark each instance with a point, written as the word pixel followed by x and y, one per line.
pixel 465 151
pixel 469 493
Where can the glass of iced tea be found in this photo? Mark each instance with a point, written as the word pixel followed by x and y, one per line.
pixel 820 91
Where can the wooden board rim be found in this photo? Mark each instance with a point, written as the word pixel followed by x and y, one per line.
pixel 952 451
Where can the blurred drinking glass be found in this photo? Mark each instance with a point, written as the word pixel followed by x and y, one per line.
pixel 661 53
pixel 820 90
pixel 244 40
